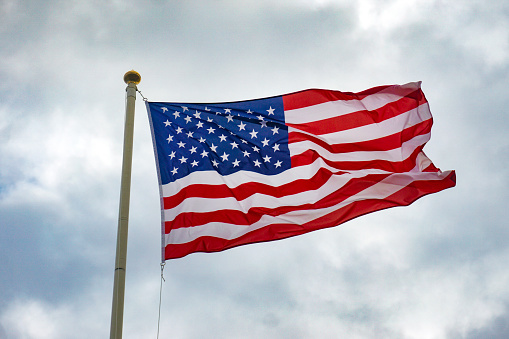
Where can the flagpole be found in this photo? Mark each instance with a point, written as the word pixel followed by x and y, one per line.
pixel 131 78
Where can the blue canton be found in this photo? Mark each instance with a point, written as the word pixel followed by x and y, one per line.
pixel 224 137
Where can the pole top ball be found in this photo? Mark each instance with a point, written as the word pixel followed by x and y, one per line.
pixel 132 77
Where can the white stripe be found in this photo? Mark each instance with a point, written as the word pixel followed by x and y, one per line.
pixel 375 130
pixel 202 205
pixel 397 154
pixel 341 107
pixel 241 177
pixel 381 190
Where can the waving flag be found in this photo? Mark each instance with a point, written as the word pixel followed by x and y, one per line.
pixel 241 172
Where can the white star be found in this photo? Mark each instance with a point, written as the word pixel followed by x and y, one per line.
pixel 260 118
pixel 176 114
pixel 167 123
pixel 199 124
pixel 243 141
pixel 187 119
pixel 181 144
pixel 215 163
pixel 242 126
pixel 174 171
pixel 164 109
pixel 211 130
pixel 207 109
pixel 209 119
pixel 249 111
pixel 222 137
pixel 170 138
pixel 257 163
pixel 264 123
pixel 246 153
pixel 271 110
pixel 184 108
pixel 183 160
pixel 275 130
pixel 197 115
pixel 229 118
pixel 172 155
pixel 265 142
pixel 189 134
pixel 253 134
pixel 194 163
pixel 278 164
pixel 179 130
pixel 234 144
pixel 256 149
pixel 236 163
pixel 276 147
pixel 225 156
pixel 227 110
pixel 202 140
pixel 204 154
pixel 192 150
pixel 266 158
pixel 213 148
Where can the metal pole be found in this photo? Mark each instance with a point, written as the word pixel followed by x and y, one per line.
pixel 131 78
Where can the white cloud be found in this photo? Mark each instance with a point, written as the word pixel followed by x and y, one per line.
pixel 388 15
pixel 32 320
pixel 83 316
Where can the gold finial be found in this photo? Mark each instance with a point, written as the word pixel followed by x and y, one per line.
pixel 132 77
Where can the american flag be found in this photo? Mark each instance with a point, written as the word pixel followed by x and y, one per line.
pixel 249 171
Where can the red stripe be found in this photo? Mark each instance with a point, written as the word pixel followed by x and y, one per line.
pixel 246 190
pixel 381 144
pixel 406 165
pixel 312 97
pixel 236 217
pixel 404 197
pixel 431 168
pixel 363 117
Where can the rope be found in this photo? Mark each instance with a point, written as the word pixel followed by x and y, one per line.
pixel 144 99
pixel 160 294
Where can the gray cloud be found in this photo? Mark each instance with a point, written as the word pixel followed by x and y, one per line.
pixel 435 269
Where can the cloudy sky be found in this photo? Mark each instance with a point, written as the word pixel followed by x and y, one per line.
pixel 435 269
